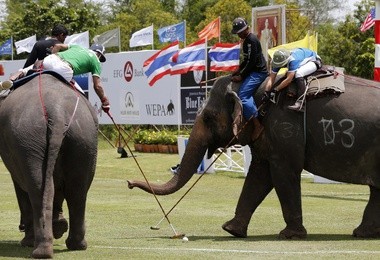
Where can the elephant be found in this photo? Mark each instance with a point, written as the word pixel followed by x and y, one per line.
pixel 48 142
pixel 337 137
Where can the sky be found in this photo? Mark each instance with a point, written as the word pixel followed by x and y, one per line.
pixel 348 9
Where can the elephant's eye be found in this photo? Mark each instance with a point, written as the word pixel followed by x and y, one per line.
pixel 209 117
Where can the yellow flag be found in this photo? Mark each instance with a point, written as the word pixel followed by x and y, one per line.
pixel 309 42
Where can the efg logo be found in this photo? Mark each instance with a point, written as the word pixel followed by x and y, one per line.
pixel 128 71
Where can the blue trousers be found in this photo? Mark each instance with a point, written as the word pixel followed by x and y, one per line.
pixel 247 88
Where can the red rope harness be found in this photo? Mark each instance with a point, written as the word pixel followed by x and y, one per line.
pixel 360 81
pixel 44 110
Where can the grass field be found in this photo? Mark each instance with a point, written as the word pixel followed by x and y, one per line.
pixel 118 220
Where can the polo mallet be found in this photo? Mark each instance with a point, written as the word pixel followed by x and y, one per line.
pixel 156 227
pixel 176 235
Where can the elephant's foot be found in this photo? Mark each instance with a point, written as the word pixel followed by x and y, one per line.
pixel 288 233
pixel 235 228
pixel 27 241
pixel 60 226
pixel 75 244
pixel 366 232
pixel 44 250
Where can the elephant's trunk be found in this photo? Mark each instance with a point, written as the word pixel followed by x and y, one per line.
pixel 193 156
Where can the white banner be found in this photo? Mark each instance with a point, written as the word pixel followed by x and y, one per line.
pixel 142 37
pixel 132 100
pixel 81 39
pixel 109 38
pixel 25 45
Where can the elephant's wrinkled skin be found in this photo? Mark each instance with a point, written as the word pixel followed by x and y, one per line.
pixel 48 142
pixel 341 142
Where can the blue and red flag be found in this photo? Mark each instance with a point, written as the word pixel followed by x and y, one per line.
pixel 159 64
pixel 224 57
pixel 192 57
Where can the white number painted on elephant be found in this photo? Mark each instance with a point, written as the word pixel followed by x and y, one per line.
pixel 329 132
pixel 285 129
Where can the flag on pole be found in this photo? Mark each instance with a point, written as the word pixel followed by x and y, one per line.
pixel 159 64
pixel 109 38
pixel 172 33
pixel 6 47
pixel 224 57
pixel 142 37
pixel 211 30
pixel 369 20
pixel 25 45
pixel 309 42
pixel 82 39
pixel 193 57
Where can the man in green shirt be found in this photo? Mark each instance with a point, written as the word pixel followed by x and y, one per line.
pixel 70 60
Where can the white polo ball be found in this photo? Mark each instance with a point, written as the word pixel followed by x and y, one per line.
pixel 185 239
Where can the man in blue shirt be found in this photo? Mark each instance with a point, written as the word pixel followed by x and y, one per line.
pixel 300 62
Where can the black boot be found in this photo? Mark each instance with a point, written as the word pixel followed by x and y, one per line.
pixel 301 88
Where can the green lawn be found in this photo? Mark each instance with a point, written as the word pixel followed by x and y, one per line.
pixel 118 220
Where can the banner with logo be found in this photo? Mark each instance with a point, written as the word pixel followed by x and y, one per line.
pixel 6 47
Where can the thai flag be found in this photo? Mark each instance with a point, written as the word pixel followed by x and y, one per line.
pixel 224 57
pixel 159 64
pixel 192 57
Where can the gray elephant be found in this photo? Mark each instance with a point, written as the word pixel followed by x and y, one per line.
pixel 48 142
pixel 336 138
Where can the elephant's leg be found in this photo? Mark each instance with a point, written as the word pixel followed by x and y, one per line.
pixel 286 178
pixel 26 216
pixel 257 185
pixel 370 226
pixel 60 224
pixel 76 201
pixel 42 204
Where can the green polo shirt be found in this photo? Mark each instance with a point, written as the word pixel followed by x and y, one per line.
pixel 82 60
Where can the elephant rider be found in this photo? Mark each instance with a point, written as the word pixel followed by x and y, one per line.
pixel 41 49
pixel 300 62
pixel 69 60
pixel 252 72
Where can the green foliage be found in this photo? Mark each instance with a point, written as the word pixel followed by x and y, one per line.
pixel 29 17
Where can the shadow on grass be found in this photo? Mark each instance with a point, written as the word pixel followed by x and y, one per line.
pixel 336 197
pixel 13 249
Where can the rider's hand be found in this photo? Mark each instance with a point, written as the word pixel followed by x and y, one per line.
pixel 105 104
pixel 236 78
pixel 268 95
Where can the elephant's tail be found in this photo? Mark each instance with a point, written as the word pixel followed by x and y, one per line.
pixel 54 139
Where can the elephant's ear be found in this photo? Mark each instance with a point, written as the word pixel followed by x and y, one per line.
pixel 237 114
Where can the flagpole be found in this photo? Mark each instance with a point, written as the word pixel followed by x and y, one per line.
pixel 206 76
pixel 119 40
pixel 152 37
pixel 12 45
pixel 376 75
pixel 185 33
pixel 219 27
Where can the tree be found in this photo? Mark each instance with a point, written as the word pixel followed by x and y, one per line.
pixel 26 18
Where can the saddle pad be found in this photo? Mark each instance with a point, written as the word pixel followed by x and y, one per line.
pixel 321 83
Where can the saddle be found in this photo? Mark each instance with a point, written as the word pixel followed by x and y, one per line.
pixel 33 73
pixel 326 80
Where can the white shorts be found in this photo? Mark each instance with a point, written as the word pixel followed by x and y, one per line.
pixel 55 63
